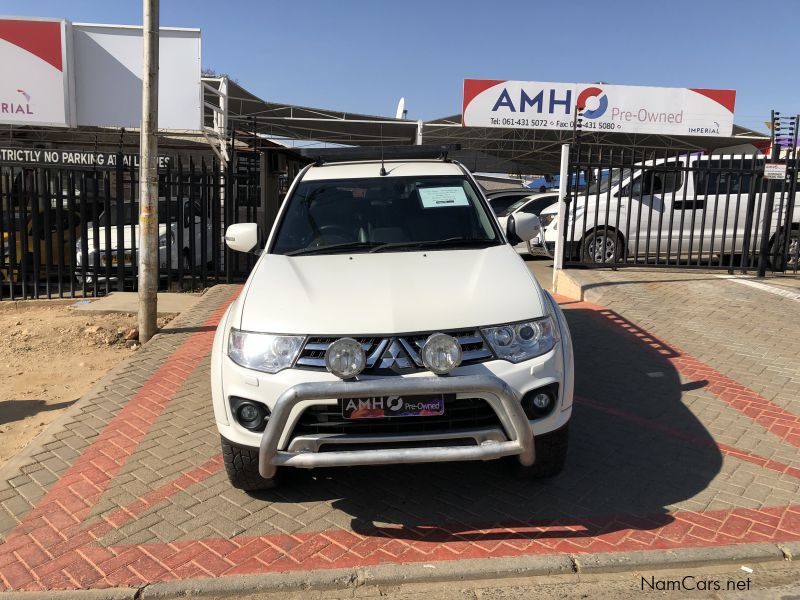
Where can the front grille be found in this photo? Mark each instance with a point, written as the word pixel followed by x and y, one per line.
pixel 313 352
pixel 473 348
pixel 462 413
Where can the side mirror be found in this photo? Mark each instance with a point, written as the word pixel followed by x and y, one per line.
pixel 522 227
pixel 244 237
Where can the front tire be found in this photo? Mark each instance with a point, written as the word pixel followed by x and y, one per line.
pixel 788 262
pixel 602 246
pixel 551 455
pixel 241 465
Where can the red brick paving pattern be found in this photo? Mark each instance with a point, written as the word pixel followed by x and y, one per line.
pixel 52 548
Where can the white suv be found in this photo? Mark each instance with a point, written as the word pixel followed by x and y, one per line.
pixel 389 320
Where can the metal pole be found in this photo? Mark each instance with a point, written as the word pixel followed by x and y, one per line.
pixel 558 257
pixel 148 178
pixel 763 255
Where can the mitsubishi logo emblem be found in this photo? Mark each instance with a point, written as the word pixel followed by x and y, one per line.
pixel 395 357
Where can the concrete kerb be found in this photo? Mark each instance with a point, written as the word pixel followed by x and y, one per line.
pixel 438 572
pixel 104 594
pixel 567 285
pixel 471 570
pixel 577 284
pixel 37 303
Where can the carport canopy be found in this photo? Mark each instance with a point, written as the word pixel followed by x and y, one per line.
pixel 497 150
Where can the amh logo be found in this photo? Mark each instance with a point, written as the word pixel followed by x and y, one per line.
pixel 593 92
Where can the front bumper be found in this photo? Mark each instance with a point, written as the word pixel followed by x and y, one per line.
pixel 500 396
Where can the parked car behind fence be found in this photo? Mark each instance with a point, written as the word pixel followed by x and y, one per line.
pixel 684 209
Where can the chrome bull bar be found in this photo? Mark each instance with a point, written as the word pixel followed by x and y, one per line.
pixel 500 396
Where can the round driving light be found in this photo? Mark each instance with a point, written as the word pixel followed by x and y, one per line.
pixel 248 412
pixel 541 401
pixel 441 353
pixel 503 336
pixel 345 358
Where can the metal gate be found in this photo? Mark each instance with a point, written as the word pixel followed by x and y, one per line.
pixel 673 208
pixel 73 232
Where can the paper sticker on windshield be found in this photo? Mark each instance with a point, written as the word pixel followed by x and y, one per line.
pixel 437 197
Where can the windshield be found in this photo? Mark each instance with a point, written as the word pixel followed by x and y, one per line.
pixel 363 214
pixel 607 180
pixel 513 207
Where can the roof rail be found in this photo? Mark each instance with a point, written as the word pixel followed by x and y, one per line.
pixel 333 155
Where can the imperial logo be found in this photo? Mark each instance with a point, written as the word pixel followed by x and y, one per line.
pixel 17 107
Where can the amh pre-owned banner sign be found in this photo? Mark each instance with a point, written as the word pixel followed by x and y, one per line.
pixel 34 88
pixel 609 108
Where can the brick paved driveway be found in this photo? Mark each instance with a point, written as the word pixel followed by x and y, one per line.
pixel 685 434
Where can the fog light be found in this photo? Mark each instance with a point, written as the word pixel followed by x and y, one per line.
pixel 250 415
pixel 248 412
pixel 541 401
pixel 345 358
pixel 441 353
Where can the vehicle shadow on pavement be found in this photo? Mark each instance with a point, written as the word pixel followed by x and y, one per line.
pixel 635 451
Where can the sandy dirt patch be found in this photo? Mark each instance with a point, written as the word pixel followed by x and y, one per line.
pixel 50 356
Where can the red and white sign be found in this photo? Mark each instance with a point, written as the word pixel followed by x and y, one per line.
pixel 603 108
pixel 56 73
pixel 34 86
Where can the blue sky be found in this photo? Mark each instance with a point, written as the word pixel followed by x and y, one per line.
pixel 361 56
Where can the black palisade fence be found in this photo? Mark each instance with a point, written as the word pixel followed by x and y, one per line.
pixel 73 232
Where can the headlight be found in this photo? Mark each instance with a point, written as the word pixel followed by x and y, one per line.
pixel 545 220
pixel 166 239
pixel 516 342
pixel 441 353
pixel 262 351
pixel 345 358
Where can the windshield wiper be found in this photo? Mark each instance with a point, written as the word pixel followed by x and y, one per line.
pixel 333 247
pixel 448 242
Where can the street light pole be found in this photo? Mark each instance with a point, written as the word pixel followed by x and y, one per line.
pixel 148 178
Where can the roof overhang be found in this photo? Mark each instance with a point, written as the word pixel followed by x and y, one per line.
pixel 485 149
pixel 250 113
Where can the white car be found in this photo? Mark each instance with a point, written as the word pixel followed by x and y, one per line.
pixel 532 204
pixel 387 320
pixel 174 248
pixel 657 210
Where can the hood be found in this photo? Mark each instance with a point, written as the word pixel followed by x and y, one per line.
pixel 388 293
